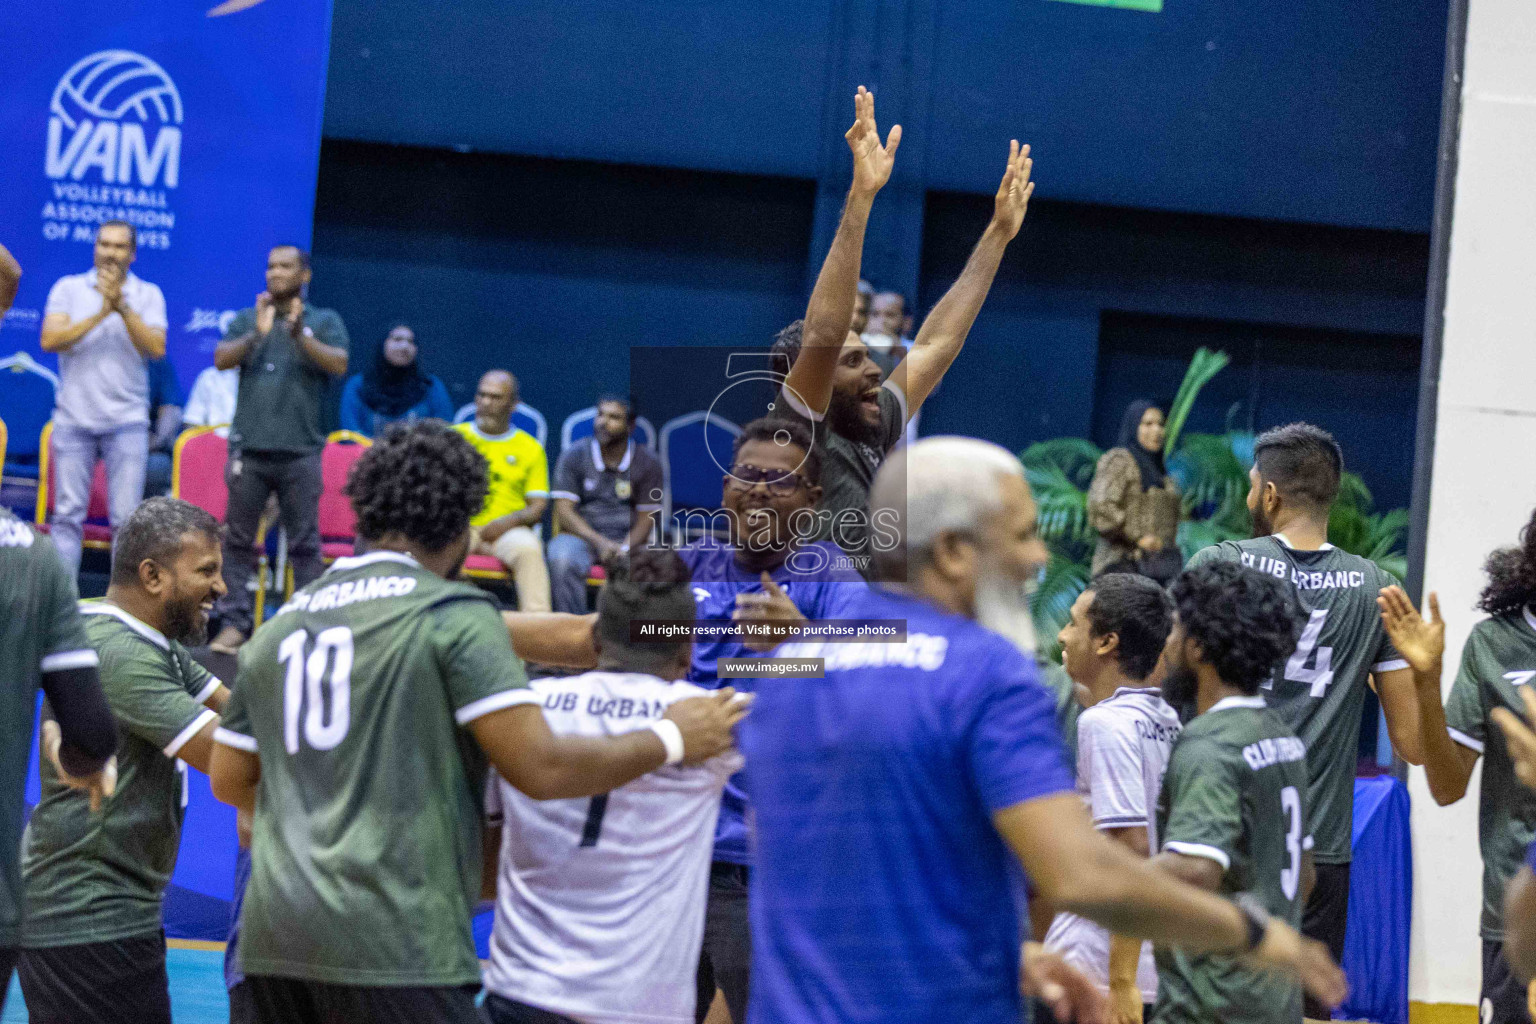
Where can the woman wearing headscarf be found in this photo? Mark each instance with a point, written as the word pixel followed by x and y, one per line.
pixel 393 389
pixel 1134 504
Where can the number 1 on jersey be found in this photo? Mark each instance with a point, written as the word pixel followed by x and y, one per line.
pixel 593 827
pixel 1321 672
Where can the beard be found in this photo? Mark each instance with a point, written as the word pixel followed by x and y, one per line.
pixel 1002 605
pixel 184 620
pixel 1179 688
pixel 1262 526
pixel 845 416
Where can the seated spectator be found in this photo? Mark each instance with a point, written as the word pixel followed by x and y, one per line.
pixel 393 389
pixel 861 304
pixel 518 493
pixel 886 330
pixel 213 399
pixel 606 496
pixel 164 424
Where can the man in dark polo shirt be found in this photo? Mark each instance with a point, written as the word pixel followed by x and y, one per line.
pixel 607 493
pixel 287 352
pixel 835 386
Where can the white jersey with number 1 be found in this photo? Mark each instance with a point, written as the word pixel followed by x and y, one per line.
pixel 600 901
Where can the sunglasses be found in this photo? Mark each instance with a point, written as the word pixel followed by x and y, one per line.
pixel 778 482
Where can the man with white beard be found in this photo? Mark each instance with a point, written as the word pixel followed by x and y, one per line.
pixel 892 795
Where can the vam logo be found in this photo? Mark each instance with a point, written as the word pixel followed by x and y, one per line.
pixel 100 116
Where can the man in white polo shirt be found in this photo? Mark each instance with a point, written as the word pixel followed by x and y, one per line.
pixel 1111 647
pixel 103 324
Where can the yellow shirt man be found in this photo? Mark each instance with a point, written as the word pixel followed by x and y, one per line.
pixel 519 471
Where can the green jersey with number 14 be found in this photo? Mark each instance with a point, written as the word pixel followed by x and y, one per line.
pixel 366 855
pixel 1320 687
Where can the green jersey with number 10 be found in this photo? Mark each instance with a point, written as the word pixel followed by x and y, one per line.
pixel 366 855
pixel 1320 687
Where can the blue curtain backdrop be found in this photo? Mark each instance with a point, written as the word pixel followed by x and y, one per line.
pixel 199 124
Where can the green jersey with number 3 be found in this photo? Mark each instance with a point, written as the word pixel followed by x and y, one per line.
pixel 1320 687
pixel 1235 793
pixel 366 851
pixel 1499 659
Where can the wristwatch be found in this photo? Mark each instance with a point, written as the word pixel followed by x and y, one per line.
pixel 1256 916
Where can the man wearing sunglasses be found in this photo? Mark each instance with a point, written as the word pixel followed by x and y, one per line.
pixel 763 574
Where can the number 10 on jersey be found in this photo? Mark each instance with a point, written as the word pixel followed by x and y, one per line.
pixel 322 699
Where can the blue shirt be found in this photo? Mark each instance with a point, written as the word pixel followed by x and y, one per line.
pixel 881 890
pixel 822 584
pixel 355 414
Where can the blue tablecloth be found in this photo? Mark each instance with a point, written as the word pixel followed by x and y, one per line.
pixel 1380 904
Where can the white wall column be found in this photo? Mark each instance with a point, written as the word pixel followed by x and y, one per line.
pixel 1484 468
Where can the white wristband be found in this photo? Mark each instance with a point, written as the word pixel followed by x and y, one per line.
pixel 671 737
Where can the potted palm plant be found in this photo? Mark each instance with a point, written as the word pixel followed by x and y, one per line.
pixel 1212 471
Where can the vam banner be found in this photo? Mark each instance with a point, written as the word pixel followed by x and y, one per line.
pixel 198 124
pixel 201 127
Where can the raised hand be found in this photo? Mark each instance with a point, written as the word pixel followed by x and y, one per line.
pixel 872 162
pixel 1014 191
pixel 100 786
pixel 295 312
pixel 1421 643
pixel 772 607
pixel 706 722
pixel 109 282
pixel 266 313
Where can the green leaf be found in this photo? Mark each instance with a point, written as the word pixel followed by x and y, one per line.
pixel 1075 457
pixel 1210 473
pixel 1205 365
pixel 1051 604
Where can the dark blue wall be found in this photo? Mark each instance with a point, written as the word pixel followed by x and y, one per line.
pixel 552 269
pixel 1052 354
pixel 584 176
pixel 1306 110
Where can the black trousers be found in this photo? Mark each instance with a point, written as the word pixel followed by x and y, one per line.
pixel 1324 918
pixel 726 959
pixel 508 1011
pixel 7 964
pixel 117 982
pixel 292 1001
pixel 1503 999
pixel 253 477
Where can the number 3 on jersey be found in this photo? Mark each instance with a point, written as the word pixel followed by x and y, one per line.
pixel 328 695
pixel 1320 674
pixel 1290 876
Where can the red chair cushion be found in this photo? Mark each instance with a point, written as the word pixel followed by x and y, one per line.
pixel 200 473
pixel 96 507
pixel 333 549
pixel 486 565
pixel 336 516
